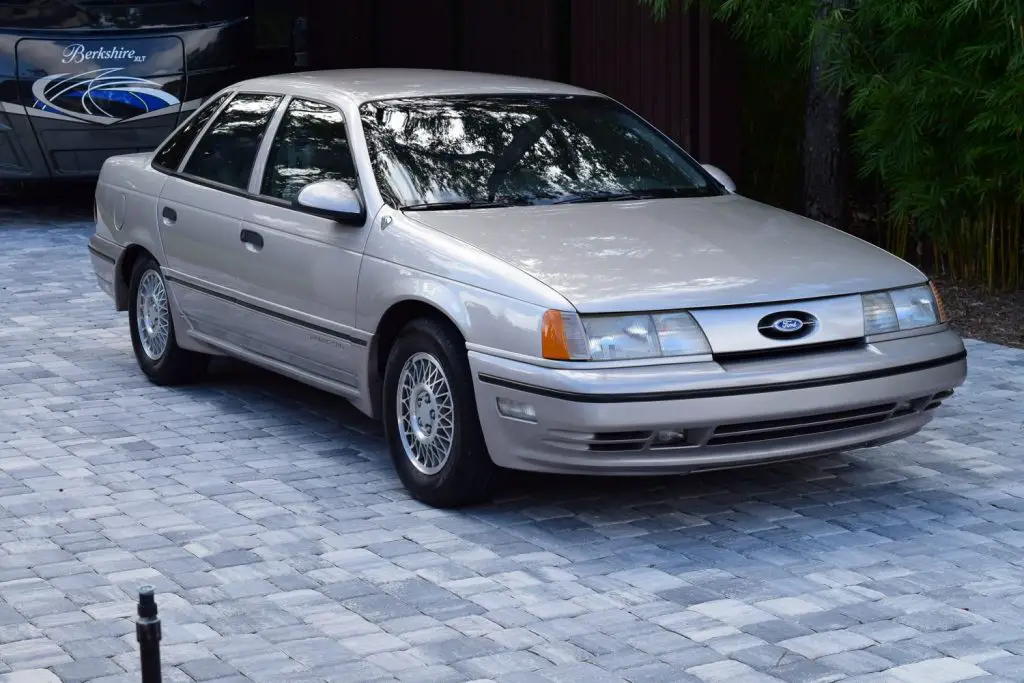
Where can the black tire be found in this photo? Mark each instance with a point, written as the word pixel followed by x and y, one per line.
pixel 175 366
pixel 468 476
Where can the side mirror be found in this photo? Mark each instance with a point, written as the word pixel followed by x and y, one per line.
pixel 334 199
pixel 721 176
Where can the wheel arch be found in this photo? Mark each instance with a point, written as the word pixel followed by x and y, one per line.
pixel 123 273
pixel 123 269
pixel 390 326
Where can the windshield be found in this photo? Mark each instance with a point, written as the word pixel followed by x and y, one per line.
pixel 118 14
pixel 448 152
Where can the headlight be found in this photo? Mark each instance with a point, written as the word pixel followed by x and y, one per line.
pixel 621 337
pixel 903 309
pixel 680 335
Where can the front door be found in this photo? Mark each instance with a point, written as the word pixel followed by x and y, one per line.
pixel 306 267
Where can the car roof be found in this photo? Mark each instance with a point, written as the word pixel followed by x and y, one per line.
pixel 364 85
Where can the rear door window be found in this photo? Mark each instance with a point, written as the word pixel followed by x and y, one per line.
pixel 226 152
pixel 170 156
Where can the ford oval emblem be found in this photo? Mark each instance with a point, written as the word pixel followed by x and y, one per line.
pixel 788 325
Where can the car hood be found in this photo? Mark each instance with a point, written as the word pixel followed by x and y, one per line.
pixel 675 253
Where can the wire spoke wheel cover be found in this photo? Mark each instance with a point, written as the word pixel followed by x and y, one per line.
pixel 153 315
pixel 426 413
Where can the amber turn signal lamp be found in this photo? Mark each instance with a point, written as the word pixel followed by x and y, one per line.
pixel 943 315
pixel 553 343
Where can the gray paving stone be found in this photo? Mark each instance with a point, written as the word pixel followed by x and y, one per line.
pixel 86 669
pixel 808 671
pixel 657 672
pixel 35 652
pixel 728 671
pixel 581 673
pixel 489 666
pixel 905 652
pixel 1010 666
pixel 765 657
pixel 208 669
pixel 284 548
pixel 947 619
pixel 945 670
pixel 856 662
pixel 778 630
pixel 30 676
pixel 827 643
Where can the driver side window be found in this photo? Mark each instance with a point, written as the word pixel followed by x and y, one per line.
pixel 311 145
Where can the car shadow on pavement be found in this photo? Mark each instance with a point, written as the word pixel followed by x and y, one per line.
pixel 833 480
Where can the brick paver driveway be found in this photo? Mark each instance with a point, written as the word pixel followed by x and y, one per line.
pixel 283 548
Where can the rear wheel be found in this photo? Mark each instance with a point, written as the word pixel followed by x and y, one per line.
pixel 152 330
pixel 430 418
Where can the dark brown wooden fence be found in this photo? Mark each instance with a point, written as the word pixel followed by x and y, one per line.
pixel 681 73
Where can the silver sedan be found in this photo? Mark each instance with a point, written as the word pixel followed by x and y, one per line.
pixel 511 273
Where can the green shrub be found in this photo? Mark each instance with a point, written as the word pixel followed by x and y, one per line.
pixel 935 92
pixel 937 96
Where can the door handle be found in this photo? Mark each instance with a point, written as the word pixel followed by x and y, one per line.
pixel 253 240
pixel 169 214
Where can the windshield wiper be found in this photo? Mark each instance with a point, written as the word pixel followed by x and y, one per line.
pixel 461 204
pixel 660 193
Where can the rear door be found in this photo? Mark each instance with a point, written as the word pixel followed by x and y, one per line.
pixel 200 213
pixel 88 98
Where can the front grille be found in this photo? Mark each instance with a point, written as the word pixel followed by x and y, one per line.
pixel 937 400
pixel 800 426
pixel 606 442
pixel 744 432
pixel 793 351
pixel 620 441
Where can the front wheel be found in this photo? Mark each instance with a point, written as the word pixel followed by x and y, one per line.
pixel 152 330
pixel 430 418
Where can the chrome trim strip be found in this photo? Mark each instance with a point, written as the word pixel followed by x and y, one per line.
pixel 265 311
pixel 587 364
pixel 96 252
pixel 723 391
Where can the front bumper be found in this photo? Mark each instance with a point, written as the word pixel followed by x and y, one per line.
pixel 734 413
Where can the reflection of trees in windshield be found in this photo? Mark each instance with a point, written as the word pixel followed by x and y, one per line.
pixel 519 149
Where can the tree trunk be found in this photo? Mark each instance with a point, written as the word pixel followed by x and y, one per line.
pixel 823 141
